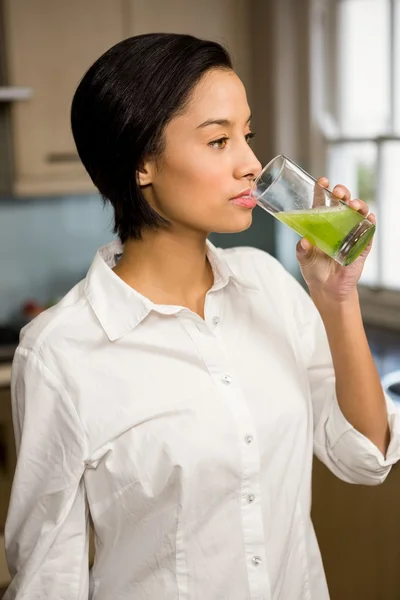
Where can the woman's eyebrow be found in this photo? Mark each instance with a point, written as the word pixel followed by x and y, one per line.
pixel 222 122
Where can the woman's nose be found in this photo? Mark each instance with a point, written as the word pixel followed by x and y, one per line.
pixel 250 167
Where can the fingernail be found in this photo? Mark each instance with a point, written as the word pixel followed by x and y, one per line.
pixel 303 245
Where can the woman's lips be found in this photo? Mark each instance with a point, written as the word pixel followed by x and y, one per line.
pixel 245 201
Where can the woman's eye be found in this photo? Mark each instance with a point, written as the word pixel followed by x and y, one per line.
pixel 219 144
pixel 249 137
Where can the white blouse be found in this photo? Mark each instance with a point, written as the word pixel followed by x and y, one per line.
pixel 187 442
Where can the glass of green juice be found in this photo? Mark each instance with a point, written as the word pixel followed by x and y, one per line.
pixel 291 195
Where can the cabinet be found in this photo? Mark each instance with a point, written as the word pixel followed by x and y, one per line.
pixel 49 44
pixel 358 530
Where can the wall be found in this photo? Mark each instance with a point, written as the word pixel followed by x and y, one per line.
pixel 281 82
pixel 46 246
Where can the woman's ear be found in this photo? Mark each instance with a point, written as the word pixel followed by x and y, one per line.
pixel 145 173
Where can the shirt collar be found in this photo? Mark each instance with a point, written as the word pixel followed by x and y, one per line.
pixel 119 308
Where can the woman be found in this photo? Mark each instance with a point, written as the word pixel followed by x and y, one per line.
pixel 175 395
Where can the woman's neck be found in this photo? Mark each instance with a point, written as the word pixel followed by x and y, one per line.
pixel 168 269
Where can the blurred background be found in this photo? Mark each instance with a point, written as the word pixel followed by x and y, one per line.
pixel 323 80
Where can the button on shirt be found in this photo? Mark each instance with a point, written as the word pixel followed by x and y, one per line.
pixel 188 442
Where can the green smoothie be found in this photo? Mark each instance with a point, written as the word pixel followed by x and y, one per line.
pixel 327 227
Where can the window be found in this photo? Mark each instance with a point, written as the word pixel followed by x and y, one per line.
pixel 355 73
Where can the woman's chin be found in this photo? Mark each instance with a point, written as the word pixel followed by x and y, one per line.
pixel 236 225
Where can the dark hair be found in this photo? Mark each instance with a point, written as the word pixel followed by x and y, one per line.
pixel 120 110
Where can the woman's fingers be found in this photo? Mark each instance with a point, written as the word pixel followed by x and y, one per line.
pixel 323 182
pixel 319 193
pixel 359 206
pixel 341 192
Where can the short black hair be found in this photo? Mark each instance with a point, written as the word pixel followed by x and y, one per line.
pixel 120 110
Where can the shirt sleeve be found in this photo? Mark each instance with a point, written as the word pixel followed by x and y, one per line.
pixel 46 533
pixel 344 450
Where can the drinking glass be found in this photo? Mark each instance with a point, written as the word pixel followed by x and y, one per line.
pixel 291 195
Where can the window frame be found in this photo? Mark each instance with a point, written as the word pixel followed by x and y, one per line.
pixel 380 305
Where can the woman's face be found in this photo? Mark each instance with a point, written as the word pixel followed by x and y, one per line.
pixel 207 160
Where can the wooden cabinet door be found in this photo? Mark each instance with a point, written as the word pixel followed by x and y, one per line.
pixel 50 44
pixel 358 530
pixel 225 21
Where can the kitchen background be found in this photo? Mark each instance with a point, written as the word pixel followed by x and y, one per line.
pixel 323 79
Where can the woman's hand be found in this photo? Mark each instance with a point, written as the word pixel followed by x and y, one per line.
pixel 327 280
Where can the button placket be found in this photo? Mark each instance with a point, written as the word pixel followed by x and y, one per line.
pixel 215 356
pixel 212 311
pixel 252 518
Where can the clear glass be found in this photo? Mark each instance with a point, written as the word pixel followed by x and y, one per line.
pixel 363 67
pixel 355 165
pixel 292 196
